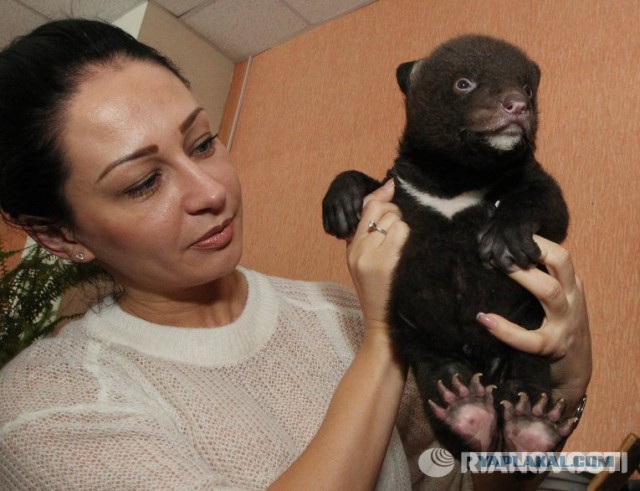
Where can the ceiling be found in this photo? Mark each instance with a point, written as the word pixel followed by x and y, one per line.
pixel 238 28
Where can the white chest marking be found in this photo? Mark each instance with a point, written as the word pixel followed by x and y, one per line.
pixel 445 206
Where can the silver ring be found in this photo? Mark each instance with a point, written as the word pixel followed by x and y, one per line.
pixel 371 226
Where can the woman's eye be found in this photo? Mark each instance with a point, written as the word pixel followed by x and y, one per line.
pixel 464 85
pixel 205 149
pixel 145 187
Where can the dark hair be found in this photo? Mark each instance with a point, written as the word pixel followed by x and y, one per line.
pixel 39 73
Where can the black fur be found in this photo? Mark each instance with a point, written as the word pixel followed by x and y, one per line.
pixel 467 90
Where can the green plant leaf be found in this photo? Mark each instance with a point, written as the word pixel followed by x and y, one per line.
pixel 30 294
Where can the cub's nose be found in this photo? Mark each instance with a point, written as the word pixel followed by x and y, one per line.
pixel 515 103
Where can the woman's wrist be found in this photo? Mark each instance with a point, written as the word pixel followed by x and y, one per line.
pixel 571 376
pixel 377 340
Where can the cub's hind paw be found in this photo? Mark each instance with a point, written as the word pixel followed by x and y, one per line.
pixel 533 429
pixel 469 412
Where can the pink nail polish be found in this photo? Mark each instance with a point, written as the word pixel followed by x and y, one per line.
pixel 485 320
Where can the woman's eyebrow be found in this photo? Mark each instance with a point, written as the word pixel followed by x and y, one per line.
pixel 143 152
pixel 189 120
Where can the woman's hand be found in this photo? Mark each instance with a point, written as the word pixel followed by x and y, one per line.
pixel 564 336
pixel 372 255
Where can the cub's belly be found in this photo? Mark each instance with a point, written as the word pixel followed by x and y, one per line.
pixel 440 277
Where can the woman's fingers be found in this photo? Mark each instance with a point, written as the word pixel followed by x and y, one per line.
pixel 383 193
pixel 517 337
pixel 545 288
pixel 381 214
pixel 560 293
pixel 373 252
pixel 555 289
pixel 378 209
pixel 558 261
pixel 381 226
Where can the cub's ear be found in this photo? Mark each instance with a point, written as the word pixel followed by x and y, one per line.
pixel 403 74
pixel 537 73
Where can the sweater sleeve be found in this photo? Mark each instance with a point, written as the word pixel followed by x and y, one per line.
pixel 60 432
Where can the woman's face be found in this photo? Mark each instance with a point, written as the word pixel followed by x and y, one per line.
pixel 155 199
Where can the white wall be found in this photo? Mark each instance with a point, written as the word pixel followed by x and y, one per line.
pixel 132 20
pixel 208 70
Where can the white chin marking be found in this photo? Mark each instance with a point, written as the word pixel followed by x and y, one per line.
pixel 503 142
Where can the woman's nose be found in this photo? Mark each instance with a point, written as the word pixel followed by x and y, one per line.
pixel 202 191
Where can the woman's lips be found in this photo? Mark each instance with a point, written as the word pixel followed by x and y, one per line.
pixel 217 238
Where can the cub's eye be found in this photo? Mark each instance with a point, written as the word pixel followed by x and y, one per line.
pixel 464 85
pixel 528 91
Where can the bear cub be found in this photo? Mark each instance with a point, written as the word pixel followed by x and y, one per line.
pixel 473 195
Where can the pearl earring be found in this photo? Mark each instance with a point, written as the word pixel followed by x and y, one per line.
pixel 80 257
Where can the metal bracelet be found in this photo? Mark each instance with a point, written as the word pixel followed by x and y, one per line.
pixel 580 410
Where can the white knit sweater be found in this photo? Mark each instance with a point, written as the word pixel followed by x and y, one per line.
pixel 117 403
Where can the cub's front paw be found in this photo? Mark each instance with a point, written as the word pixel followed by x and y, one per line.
pixel 342 204
pixel 508 246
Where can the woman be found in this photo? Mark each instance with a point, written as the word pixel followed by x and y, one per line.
pixel 200 373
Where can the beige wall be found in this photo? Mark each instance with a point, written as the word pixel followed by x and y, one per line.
pixel 327 101
pixel 208 70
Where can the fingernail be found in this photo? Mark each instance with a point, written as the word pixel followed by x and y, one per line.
pixel 485 320
pixel 389 184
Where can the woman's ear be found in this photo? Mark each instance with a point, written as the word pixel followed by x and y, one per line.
pixel 58 240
